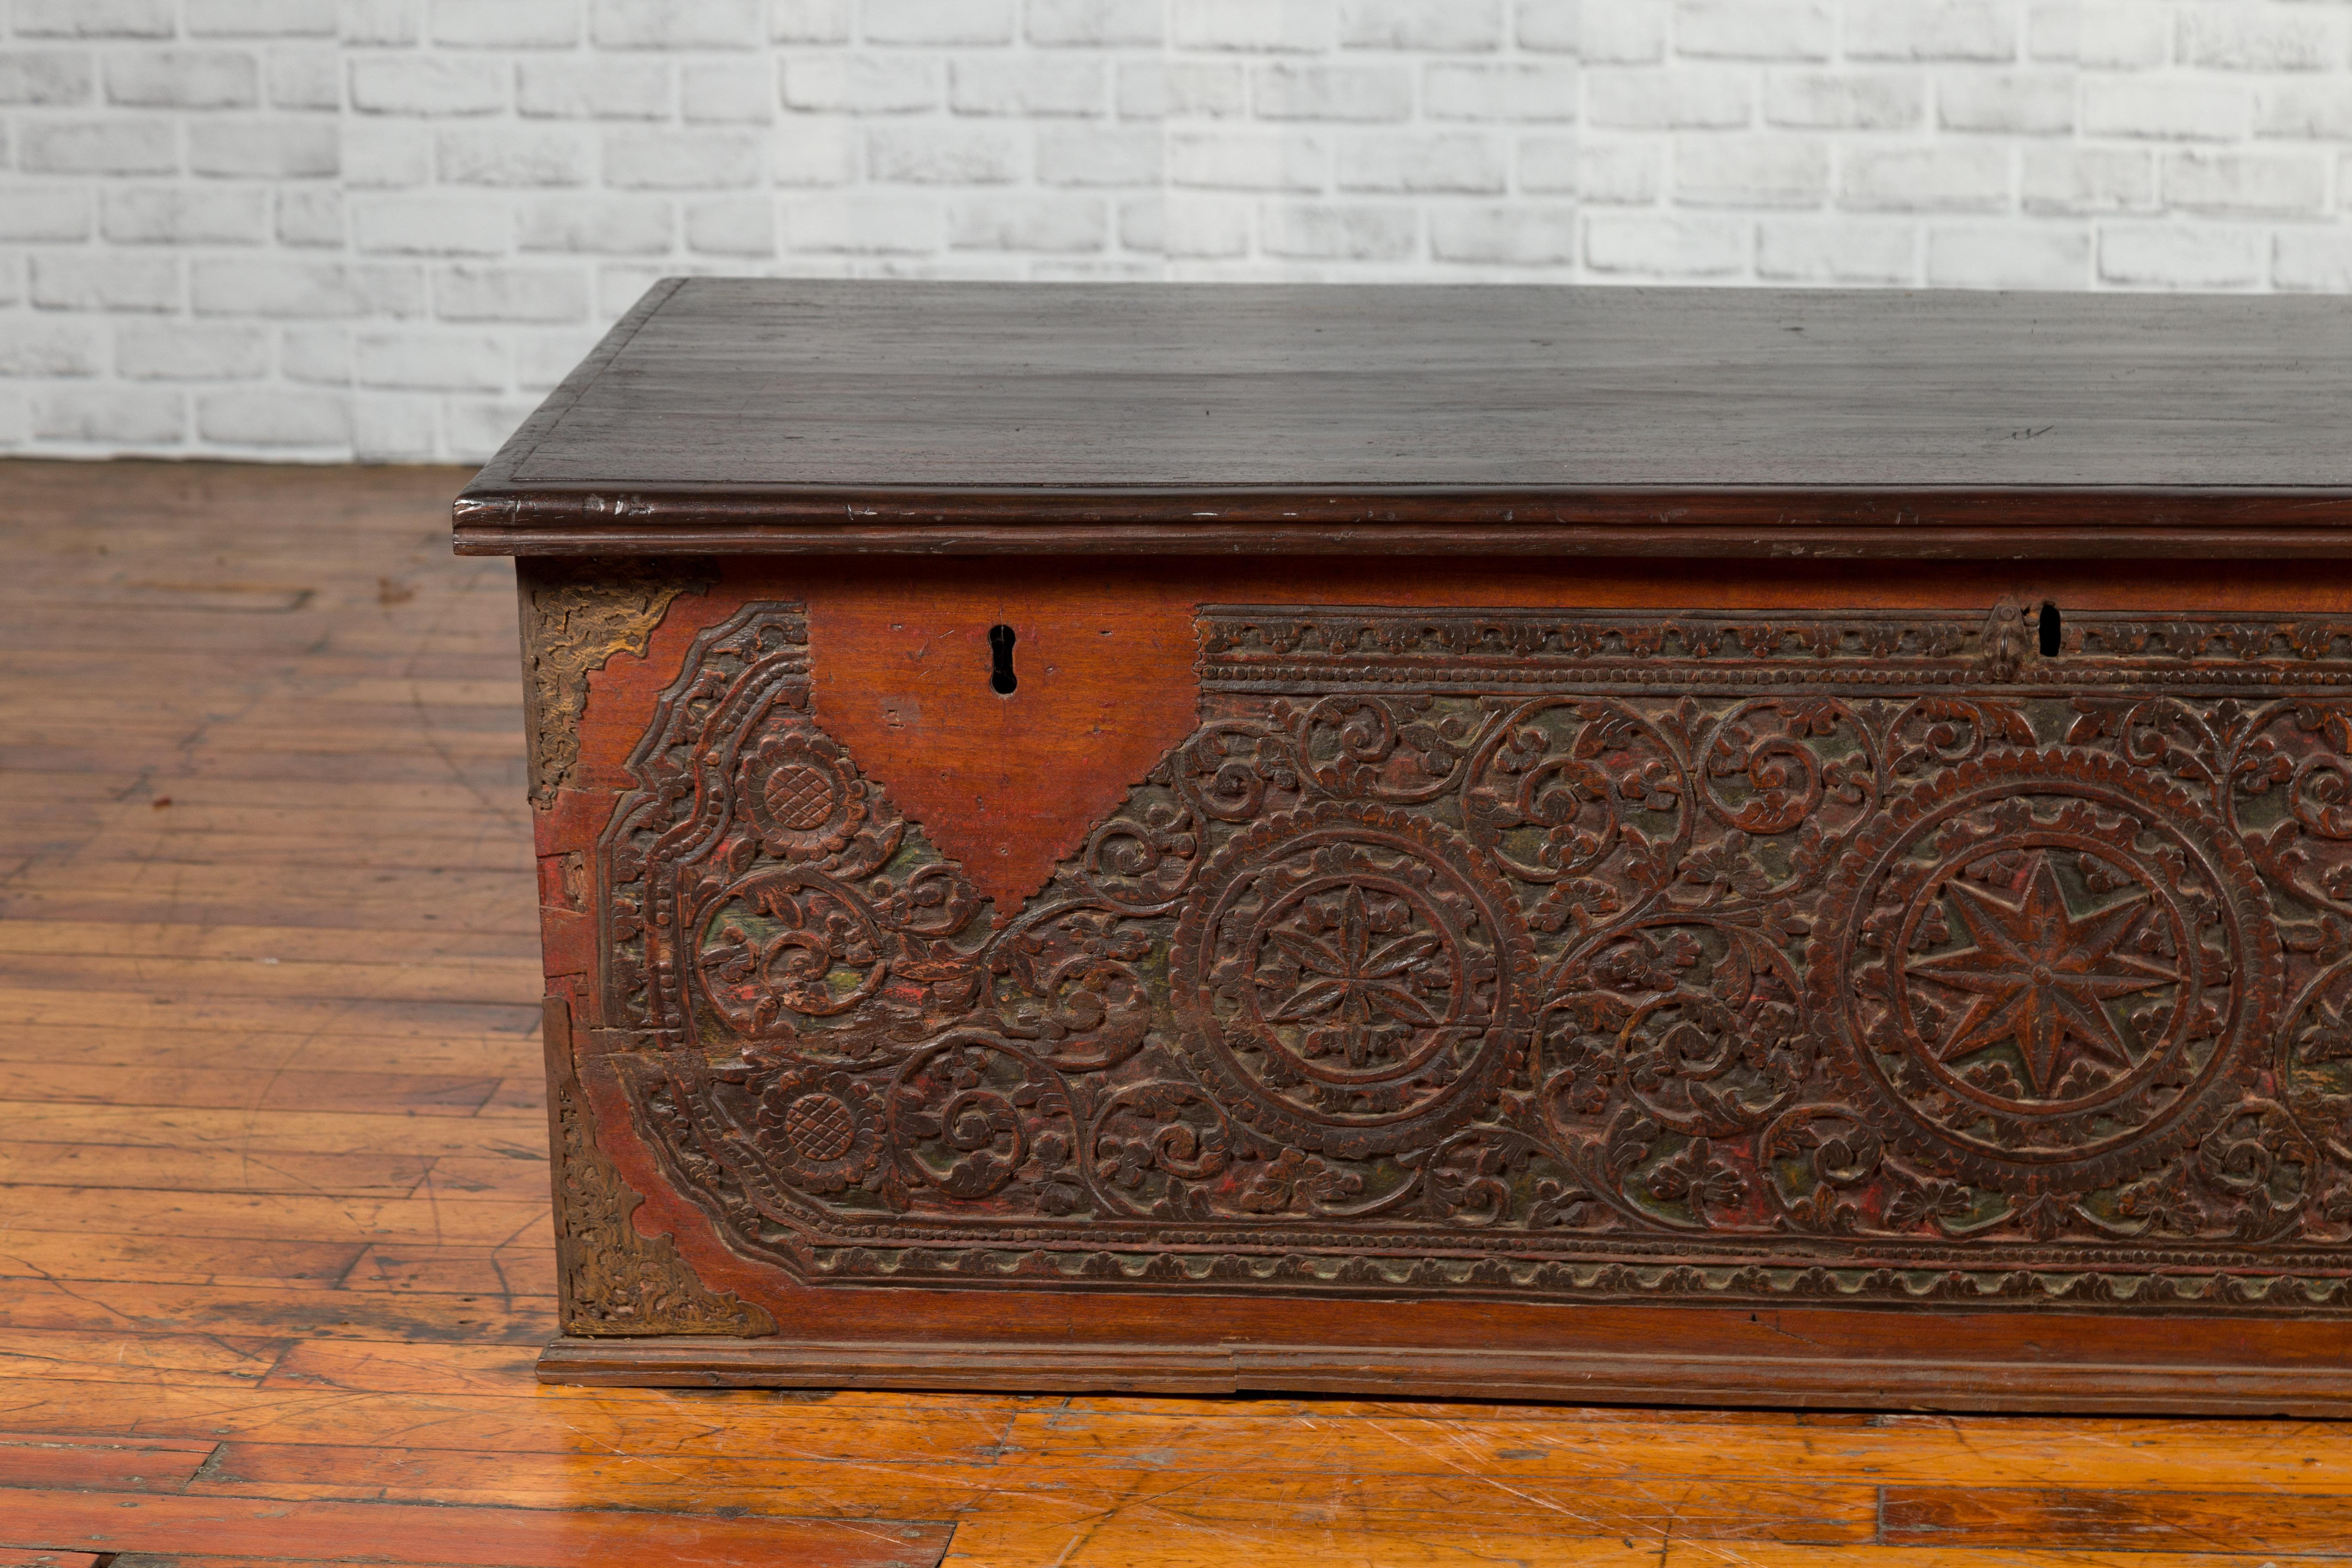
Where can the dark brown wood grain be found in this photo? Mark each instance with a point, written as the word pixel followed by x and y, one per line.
pixel 742 415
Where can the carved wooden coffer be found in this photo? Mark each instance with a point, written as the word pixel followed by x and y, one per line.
pixel 1786 848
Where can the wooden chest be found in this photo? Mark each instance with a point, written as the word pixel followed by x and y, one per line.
pixel 1783 847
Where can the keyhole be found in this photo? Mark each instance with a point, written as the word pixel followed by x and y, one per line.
pixel 2050 629
pixel 1001 678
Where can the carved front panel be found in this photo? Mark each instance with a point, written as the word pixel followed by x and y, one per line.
pixel 1538 953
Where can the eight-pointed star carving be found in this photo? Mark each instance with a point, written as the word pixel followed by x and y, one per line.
pixel 2040 975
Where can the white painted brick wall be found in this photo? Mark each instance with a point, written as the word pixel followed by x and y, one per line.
pixel 383 228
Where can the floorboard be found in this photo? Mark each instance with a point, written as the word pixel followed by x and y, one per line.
pixel 274 1248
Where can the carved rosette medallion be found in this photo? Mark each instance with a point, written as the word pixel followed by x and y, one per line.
pixel 2061 973
pixel 1543 954
pixel 1347 981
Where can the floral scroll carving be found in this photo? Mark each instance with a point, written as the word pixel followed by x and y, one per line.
pixel 1545 955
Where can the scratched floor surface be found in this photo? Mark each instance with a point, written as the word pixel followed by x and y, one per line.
pixel 274 1253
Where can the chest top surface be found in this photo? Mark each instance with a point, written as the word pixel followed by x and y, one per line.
pixel 757 416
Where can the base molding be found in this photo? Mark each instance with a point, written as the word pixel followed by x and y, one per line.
pixel 1612 1377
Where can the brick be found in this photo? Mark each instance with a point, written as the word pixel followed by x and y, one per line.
pixel 1338 231
pixel 2009 103
pixel 115 146
pixel 116 416
pixel 79 282
pixel 381 155
pixel 2209 180
pixel 1249 159
pixel 731 226
pixel 1444 27
pixel 45 77
pixel 1930 30
pixel 1547 162
pixel 595 225
pixel 1097 24
pixel 43 211
pixel 1755 29
pixel 2170 110
pixel 1052 223
pixel 1206 227
pixel 1748 171
pixel 1182 90
pixel 260 18
pixel 1665 245
pixel 184 79
pixel 269 417
pixel 2182 256
pixel 190 350
pixel 279 147
pixel 513 155
pixel 177 214
pixel 930 152
pixel 432 224
pixel 30 346
pixel 2309 111
pixel 317 356
pixel 309 216
pixel 386 429
pixel 384 23
pixel 1631 33
pixel 2318 260
pixel 1048 85
pixel 864 223
pixel 677 23
pixel 96 19
pixel 1471 162
pixel 1303 26
pixel 935 22
pixel 1845 101
pixel 734 92
pixel 592 90
pixel 2007 256
pixel 808 21
pixel 1650 100
pixel 1100 155
pixel 430 362
pixel 304 76
pixel 815 151
pixel 1842 250
pixel 684 160
pixel 498 291
pixel 1517 92
pixel 1300 92
pixel 1509 234
pixel 1926 179
pixel 1620 173
pixel 2262 39
pixel 428 85
pixel 2129 36
pixel 2072 179
pixel 506 23
pixel 862 84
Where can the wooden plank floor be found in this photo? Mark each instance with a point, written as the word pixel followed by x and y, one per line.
pixel 274 1253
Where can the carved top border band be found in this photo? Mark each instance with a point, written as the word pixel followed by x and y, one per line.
pixel 1323 647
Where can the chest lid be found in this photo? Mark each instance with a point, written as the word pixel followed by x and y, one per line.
pixel 758 416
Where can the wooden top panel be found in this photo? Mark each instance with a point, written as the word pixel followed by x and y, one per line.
pixel 743 415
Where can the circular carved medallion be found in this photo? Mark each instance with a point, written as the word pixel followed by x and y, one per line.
pixel 818 1127
pixel 801 796
pixel 2055 970
pixel 1346 979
